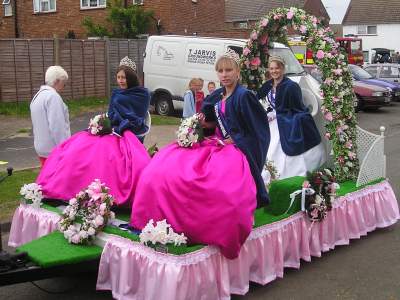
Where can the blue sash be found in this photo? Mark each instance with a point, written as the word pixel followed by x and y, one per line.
pixel 221 119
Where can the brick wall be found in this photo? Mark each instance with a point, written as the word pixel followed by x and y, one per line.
pixel 68 16
pixel 6 25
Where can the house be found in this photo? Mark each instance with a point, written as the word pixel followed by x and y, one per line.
pixel 222 18
pixel 376 22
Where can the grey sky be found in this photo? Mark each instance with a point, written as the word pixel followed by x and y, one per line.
pixel 336 9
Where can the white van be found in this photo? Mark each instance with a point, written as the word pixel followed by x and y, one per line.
pixel 171 61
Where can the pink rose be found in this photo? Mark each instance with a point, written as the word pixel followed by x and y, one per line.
pixel 328 81
pixel 320 54
pixel 290 15
pixel 254 35
pixel 352 155
pixel 75 239
pixel 306 184
pixel 264 39
pixel 99 221
pixel 349 145
pixel 335 99
pixel 328 135
pixel 276 17
pixel 256 61
pixel 246 51
pixel 303 29
pixel 264 22
pixel 328 116
pixel 338 71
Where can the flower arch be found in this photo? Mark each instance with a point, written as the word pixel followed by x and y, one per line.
pixel 336 88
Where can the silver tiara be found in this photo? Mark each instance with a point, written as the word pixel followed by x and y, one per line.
pixel 126 61
pixel 232 54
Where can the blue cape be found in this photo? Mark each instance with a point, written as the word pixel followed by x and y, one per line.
pixel 247 125
pixel 128 109
pixel 297 130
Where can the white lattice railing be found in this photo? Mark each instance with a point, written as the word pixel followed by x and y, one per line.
pixel 371 155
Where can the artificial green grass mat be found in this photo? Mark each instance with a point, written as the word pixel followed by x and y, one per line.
pixel 53 249
pixel 279 194
pixel 263 216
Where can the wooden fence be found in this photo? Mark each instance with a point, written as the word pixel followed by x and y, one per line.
pixel 90 64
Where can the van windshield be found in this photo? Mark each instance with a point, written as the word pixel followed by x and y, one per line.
pixel 293 67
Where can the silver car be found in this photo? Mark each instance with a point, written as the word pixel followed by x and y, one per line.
pixel 390 72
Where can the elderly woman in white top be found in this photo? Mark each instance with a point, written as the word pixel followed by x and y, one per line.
pixel 49 114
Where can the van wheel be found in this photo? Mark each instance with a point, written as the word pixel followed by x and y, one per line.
pixel 164 105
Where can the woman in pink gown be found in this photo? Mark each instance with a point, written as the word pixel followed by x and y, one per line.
pixel 116 159
pixel 209 191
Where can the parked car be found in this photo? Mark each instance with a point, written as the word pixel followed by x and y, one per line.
pixel 359 74
pixel 387 72
pixel 367 95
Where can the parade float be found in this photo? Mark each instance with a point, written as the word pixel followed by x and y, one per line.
pixel 306 216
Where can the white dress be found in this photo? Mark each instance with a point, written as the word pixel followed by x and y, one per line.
pixel 289 166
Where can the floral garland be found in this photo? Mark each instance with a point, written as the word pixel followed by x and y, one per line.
pixel 336 89
pixel 190 132
pixel 100 125
pixel 32 192
pixel 93 206
pixel 162 234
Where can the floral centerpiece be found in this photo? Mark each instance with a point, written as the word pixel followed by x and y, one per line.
pixel 190 132
pixel 93 207
pixel 336 89
pixel 162 233
pixel 324 185
pixel 100 125
pixel 32 192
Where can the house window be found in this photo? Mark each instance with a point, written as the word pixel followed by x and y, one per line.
pixel 7 8
pixel 44 6
pixel 367 29
pixel 138 2
pixel 93 3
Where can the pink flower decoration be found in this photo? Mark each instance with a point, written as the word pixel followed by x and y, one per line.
pixel 349 145
pixel 276 17
pixel 306 184
pixel 341 160
pixel 246 51
pixel 328 116
pixel 264 39
pixel 352 155
pixel 290 15
pixel 264 22
pixel 328 81
pixel 337 72
pixel 328 135
pixel 303 29
pixel 320 54
pixel 247 63
pixel 336 99
pixel 256 61
pixel 254 35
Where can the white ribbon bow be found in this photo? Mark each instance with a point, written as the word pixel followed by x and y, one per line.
pixel 303 192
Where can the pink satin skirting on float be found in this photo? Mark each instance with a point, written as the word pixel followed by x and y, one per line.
pixel 116 161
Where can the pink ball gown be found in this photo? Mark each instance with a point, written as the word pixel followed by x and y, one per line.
pixel 207 192
pixel 116 161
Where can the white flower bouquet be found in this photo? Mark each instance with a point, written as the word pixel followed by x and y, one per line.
pixel 190 132
pixel 93 206
pixel 100 125
pixel 161 233
pixel 32 192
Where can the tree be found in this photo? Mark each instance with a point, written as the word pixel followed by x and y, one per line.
pixel 124 22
